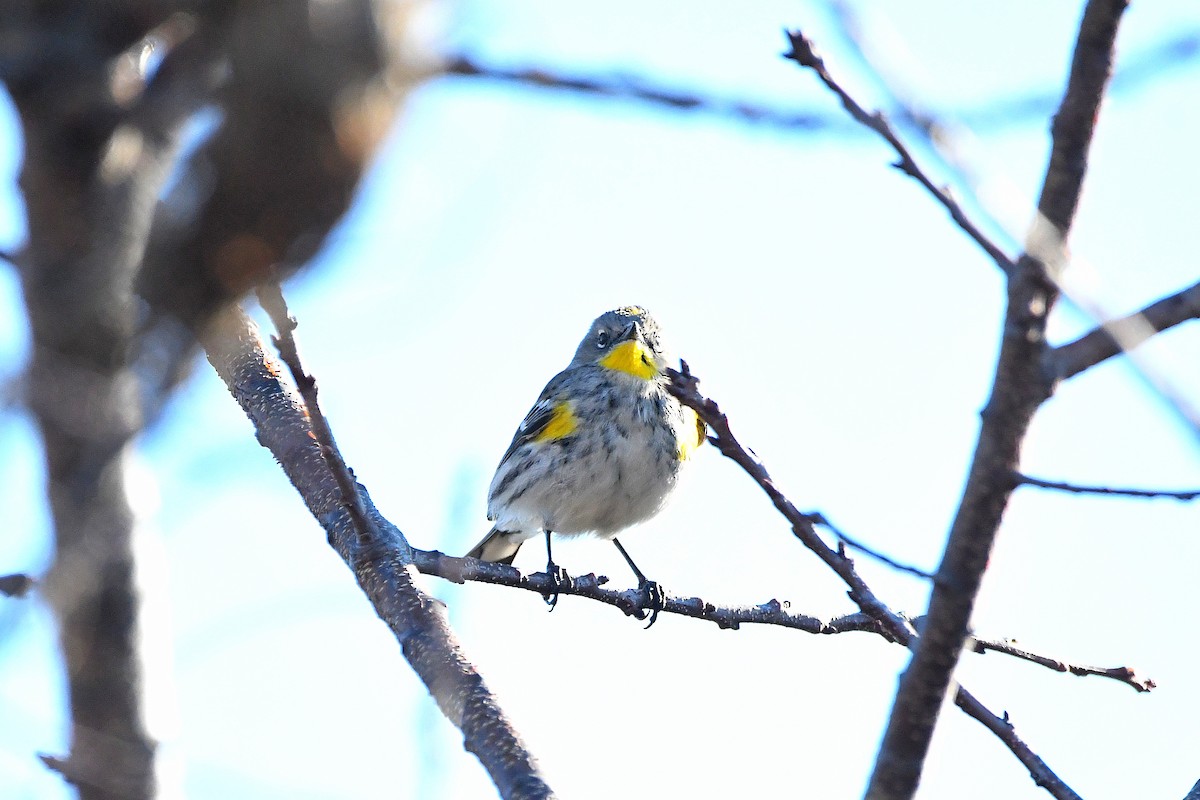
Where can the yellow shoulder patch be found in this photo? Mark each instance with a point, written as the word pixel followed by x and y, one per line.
pixel 691 422
pixel 563 422
pixel 632 358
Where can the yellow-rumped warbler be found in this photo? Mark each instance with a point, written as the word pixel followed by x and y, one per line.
pixel 599 451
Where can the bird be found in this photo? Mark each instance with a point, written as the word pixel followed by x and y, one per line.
pixel 601 450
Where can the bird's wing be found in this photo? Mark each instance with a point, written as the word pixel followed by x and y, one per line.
pixel 551 408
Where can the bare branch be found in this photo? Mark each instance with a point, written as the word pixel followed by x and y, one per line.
pixel 1112 338
pixel 1105 490
pixel 270 296
pixel 1018 390
pixel 854 544
pixel 89 181
pixel 940 140
pixel 1042 775
pixel 636 602
pixel 685 387
pixel 382 563
pixel 641 91
pixel 802 53
pixel 1141 67
pixel 1009 647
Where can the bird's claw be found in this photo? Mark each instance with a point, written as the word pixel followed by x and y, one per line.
pixel 559 579
pixel 656 600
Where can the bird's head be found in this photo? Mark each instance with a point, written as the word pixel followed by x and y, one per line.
pixel 626 340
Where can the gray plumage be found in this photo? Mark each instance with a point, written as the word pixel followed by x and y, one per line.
pixel 602 448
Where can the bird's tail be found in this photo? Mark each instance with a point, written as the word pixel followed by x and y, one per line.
pixel 498 546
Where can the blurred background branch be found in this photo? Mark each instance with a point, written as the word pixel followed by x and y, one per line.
pixel 103 92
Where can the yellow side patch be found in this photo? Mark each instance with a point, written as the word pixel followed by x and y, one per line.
pixel 691 422
pixel 632 358
pixel 563 422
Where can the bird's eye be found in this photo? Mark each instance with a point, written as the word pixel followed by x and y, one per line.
pixel 602 339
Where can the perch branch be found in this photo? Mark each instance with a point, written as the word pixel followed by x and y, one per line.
pixel 636 602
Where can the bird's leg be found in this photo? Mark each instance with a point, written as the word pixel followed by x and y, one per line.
pixel 558 576
pixel 655 596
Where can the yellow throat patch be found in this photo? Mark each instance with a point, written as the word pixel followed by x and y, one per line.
pixel 632 358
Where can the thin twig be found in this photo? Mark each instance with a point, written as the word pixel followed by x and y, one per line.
pixel 997 112
pixel 940 140
pixel 1002 727
pixel 802 53
pixel 641 91
pixel 1125 675
pixel 854 544
pixel 684 386
pixel 270 296
pixel 1026 480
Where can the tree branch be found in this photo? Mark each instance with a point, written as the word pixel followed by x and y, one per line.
pixel 89 181
pixel 1104 490
pixel 684 386
pixel 634 89
pixel 940 140
pixel 382 563
pixel 253 382
pixel 1042 775
pixel 998 112
pixel 854 544
pixel 635 602
pixel 1125 675
pixel 1019 388
pixel 270 297
pixel 803 53
pixel 1112 338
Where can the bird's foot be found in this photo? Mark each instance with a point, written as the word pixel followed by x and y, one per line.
pixel 559 579
pixel 656 600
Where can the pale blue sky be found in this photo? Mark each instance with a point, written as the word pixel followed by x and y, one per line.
pixel 843 323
